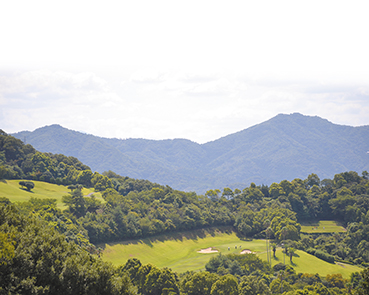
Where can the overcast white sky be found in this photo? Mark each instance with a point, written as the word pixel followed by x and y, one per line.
pixel 180 69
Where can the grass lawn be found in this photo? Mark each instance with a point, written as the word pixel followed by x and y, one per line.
pixel 179 252
pixel 42 190
pixel 306 263
pixel 322 226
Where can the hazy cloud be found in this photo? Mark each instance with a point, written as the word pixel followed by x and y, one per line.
pixel 197 70
pixel 45 84
pixel 164 104
pixel 147 76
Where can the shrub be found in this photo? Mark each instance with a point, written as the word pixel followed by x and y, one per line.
pixel 311 251
pixel 324 256
pixel 279 266
pixel 28 184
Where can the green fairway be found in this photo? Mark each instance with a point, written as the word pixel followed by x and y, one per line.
pixel 323 226
pixel 306 263
pixel 42 190
pixel 179 252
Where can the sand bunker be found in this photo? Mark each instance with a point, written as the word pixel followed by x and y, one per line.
pixel 208 250
pixel 246 251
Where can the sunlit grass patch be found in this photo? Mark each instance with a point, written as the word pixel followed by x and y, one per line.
pixel 322 226
pixel 179 251
pixel 303 262
pixel 42 190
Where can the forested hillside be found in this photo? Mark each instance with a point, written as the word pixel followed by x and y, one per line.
pixel 46 250
pixel 284 147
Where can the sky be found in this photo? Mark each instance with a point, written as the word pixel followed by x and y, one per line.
pixel 198 70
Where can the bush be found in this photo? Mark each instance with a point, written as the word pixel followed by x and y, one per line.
pixel 279 266
pixel 28 184
pixel 324 256
pixel 311 251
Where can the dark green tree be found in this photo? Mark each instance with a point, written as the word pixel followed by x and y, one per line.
pixel 225 285
pixel 274 248
pixel 28 184
pixel 363 287
pixel 76 202
pixel 291 253
pixel 39 260
pixel 253 285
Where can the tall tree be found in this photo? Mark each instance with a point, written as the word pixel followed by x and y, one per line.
pixel 363 288
pixel 76 202
pixel 291 252
pixel 199 283
pixel 225 285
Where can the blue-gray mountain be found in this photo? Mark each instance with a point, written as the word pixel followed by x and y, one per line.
pixel 284 147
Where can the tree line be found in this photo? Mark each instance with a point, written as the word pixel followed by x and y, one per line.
pixel 35 258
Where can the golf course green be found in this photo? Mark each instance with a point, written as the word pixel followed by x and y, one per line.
pixel 322 226
pixel 180 252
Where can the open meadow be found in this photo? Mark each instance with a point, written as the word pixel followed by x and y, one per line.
pixel 42 190
pixel 180 252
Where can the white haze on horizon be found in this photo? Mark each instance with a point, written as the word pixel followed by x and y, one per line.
pixel 195 70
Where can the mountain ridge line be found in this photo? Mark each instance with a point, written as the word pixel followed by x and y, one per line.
pixel 283 147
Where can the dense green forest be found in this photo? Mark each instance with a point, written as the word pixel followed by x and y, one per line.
pixel 46 251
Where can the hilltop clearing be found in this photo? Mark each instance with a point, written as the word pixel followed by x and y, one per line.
pixel 42 190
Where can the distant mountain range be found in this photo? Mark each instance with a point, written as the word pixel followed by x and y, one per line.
pixel 284 147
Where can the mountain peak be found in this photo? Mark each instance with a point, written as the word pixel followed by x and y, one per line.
pixel 298 116
pixel 287 146
pixel 305 121
pixel 52 126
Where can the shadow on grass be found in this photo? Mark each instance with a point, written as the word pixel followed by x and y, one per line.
pixel 311 223
pixel 177 236
pixel 243 238
pixel 3 180
pixel 26 190
pixel 148 242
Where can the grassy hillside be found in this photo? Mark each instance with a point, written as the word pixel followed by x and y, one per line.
pixel 11 190
pixel 179 252
pixel 306 263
